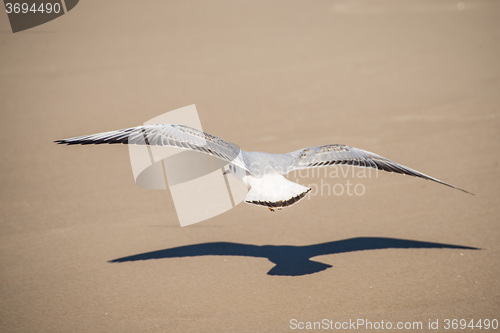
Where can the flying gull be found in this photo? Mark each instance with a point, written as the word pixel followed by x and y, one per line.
pixel 263 173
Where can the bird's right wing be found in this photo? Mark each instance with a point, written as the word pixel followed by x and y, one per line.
pixel 178 136
pixel 341 154
pixel 373 243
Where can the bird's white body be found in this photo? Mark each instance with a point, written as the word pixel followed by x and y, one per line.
pixel 266 179
pixel 273 191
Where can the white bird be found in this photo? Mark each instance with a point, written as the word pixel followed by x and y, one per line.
pixel 263 173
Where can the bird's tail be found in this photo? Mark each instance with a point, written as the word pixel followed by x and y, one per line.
pixel 275 192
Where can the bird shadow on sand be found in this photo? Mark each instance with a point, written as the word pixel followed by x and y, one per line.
pixel 289 260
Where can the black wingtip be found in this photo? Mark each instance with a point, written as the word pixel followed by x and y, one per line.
pixel 456 188
pixel 65 142
pixel 461 189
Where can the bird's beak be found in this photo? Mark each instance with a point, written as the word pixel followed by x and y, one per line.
pixel 227 172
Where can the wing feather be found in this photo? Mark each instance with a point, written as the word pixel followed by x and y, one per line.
pixel 178 136
pixel 345 155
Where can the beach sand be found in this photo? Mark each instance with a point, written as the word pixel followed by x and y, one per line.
pixel 415 81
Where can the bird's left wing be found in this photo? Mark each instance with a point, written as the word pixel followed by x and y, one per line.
pixel 345 155
pixel 204 249
pixel 178 136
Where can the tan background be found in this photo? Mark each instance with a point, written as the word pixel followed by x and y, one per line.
pixel 416 81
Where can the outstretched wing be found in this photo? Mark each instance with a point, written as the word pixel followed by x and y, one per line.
pixel 178 136
pixel 373 243
pixel 204 249
pixel 342 154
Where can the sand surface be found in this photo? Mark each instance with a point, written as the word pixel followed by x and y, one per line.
pixel 415 81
